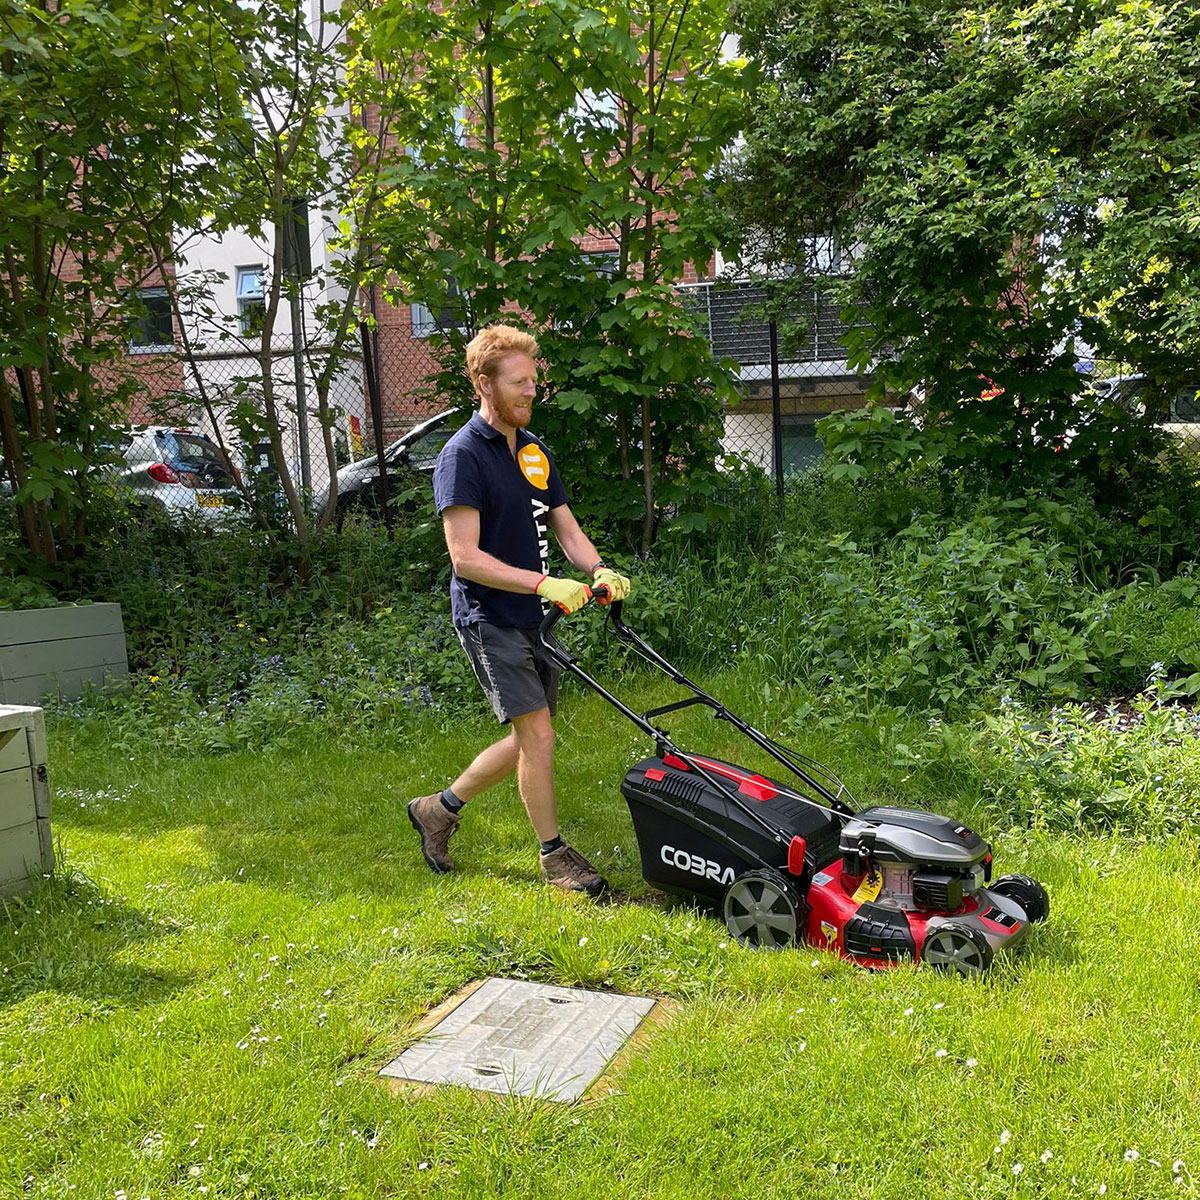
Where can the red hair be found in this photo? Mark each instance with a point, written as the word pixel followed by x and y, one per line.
pixel 491 346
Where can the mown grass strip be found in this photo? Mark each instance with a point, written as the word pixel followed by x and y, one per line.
pixel 238 943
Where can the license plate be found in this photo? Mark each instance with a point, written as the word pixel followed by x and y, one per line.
pixel 210 500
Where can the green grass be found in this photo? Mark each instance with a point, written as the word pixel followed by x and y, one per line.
pixel 236 944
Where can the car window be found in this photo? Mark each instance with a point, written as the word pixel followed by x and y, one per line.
pixel 189 447
pixel 424 451
pixel 1187 405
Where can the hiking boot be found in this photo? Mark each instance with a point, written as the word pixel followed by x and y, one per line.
pixel 567 868
pixel 435 824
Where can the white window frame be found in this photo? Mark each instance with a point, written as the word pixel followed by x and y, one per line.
pixel 247 300
pixel 426 325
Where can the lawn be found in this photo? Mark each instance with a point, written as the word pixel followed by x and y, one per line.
pixel 199 1003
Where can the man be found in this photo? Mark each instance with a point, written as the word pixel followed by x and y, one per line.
pixel 498 492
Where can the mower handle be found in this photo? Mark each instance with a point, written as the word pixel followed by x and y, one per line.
pixel 600 593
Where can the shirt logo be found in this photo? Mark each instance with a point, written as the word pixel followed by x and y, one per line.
pixel 535 466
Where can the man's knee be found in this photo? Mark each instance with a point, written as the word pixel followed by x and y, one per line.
pixel 534 732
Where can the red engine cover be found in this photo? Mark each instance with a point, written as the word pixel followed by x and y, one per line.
pixel 831 904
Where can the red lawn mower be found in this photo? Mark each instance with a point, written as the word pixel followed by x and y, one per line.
pixel 796 862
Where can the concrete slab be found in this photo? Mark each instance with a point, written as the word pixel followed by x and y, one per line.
pixel 514 1037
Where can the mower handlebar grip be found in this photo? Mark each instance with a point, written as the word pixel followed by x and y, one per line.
pixel 556 614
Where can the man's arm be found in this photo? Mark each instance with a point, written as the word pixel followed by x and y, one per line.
pixel 574 542
pixel 461 527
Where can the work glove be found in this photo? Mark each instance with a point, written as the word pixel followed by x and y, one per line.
pixel 566 593
pixel 618 585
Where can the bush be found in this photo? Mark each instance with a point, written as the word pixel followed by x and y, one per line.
pixel 906 592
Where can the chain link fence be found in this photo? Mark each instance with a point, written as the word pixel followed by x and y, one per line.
pixel 215 427
pixel 787 383
pixel 215 430
pixel 232 428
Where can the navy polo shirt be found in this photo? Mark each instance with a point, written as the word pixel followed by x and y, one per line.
pixel 513 497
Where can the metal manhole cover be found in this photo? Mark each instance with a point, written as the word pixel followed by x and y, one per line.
pixel 521 1038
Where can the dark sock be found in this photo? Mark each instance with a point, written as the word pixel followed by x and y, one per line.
pixel 450 801
pixel 553 844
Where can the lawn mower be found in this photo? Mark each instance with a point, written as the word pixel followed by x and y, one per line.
pixel 786 863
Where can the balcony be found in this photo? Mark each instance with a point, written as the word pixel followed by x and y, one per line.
pixel 727 316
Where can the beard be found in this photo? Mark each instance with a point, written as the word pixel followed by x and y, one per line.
pixel 512 412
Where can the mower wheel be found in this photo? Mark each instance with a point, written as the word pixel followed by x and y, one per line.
pixel 762 910
pixel 955 947
pixel 1028 893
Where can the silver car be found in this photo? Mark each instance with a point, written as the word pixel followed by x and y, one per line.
pixel 1176 413
pixel 180 469
pixel 175 469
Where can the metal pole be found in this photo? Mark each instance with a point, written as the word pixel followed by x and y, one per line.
pixel 301 389
pixel 376 402
pixel 776 414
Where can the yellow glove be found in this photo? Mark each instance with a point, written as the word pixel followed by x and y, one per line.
pixel 618 585
pixel 566 593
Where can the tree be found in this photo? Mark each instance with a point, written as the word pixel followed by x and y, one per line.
pixel 1005 181
pixel 310 132
pixel 559 168
pixel 100 105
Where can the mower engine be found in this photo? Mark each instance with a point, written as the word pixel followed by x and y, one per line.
pixel 913 884
pixel 928 863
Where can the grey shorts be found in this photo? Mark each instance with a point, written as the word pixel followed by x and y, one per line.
pixel 512 666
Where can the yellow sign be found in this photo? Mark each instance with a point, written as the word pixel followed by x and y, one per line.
pixel 869 888
pixel 535 466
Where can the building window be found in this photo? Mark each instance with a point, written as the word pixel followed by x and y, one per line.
pixel 599 110
pixel 153 331
pixel 459 133
pixel 451 315
pixel 250 301
pixel 823 255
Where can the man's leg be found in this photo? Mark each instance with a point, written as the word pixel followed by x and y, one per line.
pixel 562 865
pixel 534 733
pixel 435 818
pixel 490 767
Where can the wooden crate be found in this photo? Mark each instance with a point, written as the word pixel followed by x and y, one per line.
pixel 59 650
pixel 26 847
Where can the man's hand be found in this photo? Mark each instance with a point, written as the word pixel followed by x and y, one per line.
pixel 566 593
pixel 618 585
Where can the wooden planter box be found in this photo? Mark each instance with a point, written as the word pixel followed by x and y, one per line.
pixel 59 650
pixel 26 848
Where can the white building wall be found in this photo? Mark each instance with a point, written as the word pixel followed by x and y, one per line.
pixel 227 361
